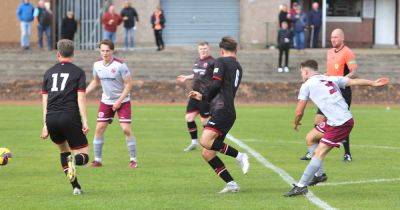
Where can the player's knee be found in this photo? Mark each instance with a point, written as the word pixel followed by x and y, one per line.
pixel 207 154
pixel 189 117
pixel 100 128
pixel 127 131
pixel 205 143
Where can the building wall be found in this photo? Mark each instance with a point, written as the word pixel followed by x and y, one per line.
pixel 356 34
pixel 9 25
pixel 256 18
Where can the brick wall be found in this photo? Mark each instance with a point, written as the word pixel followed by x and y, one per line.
pixel 356 34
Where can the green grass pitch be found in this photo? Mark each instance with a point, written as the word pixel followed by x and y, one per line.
pixel 168 178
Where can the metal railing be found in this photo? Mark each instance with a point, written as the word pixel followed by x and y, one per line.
pixel 88 14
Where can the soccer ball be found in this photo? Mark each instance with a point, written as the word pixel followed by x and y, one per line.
pixel 5 156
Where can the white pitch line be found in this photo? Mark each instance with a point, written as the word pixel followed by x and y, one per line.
pixel 282 173
pixel 278 141
pixel 359 182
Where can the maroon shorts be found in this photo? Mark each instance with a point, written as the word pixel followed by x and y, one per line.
pixel 335 135
pixel 106 113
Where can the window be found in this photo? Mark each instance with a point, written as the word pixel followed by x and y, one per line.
pixel 344 8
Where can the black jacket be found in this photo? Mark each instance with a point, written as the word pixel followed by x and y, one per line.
pixel 132 15
pixel 162 20
pixel 68 27
pixel 284 37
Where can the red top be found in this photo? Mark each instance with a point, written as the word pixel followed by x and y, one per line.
pixel 111 26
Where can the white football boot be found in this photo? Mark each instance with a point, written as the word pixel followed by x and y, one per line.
pixel 76 191
pixel 230 187
pixel 243 161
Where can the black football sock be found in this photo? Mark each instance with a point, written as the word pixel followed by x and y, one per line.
pixel 64 164
pixel 223 148
pixel 192 128
pixel 220 169
pixel 81 159
pixel 346 145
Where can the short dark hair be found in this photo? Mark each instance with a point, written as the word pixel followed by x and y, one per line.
pixel 203 43
pixel 107 42
pixel 228 43
pixel 311 64
pixel 66 48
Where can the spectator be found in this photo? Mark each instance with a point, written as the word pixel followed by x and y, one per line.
pixel 44 18
pixel 110 21
pixel 284 40
pixel 283 15
pixel 69 26
pixel 25 16
pixel 129 16
pixel 315 21
pixel 158 22
pixel 299 25
pixel 292 11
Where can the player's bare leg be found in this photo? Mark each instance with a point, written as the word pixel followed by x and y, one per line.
pixel 130 143
pixel 319 118
pixel 314 165
pixel 98 143
pixel 192 128
pixel 312 138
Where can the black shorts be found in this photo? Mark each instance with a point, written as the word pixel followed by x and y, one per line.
pixel 346 93
pixel 66 126
pixel 221 122
pixel 201 107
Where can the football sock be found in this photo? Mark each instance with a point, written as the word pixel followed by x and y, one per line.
pixel 223 148
pixel 131 144
pixel 320 170
pixel 309 172
pixel 220 169
pixel 98 148
pixel 312 148
pixel 192 128
pixel 64 164
pixel 346 145
pixel 81 159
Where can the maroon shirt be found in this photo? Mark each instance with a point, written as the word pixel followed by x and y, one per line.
pixel 111 27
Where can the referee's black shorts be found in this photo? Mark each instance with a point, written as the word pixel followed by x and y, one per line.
pixel 346 93
pixel 66 126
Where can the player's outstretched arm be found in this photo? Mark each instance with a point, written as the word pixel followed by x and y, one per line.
pixel 182 78
pixel 45 132
pixel 93 84
pixel 301 105
pixel 82 111
pixel 364 82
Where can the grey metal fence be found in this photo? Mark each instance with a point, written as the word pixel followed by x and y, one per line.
pixel 88 14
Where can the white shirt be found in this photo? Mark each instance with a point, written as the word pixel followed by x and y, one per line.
pixel 111 77
pixel 324 91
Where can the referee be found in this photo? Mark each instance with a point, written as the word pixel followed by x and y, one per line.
pixel 341 61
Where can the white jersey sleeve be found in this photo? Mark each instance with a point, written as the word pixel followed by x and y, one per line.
pixel 94 70
pixel 341 82
pixel 304 93
pixel 124 71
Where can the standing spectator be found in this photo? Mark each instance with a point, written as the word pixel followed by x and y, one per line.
pixel 284 40
pixel 158 22
pixel 69 26
pixel 283 15
pixel 110 21
pixel 44 17
pixel 299 25
pixel 315 18
pixel 129 16
pixel 25 16
pixel 292 11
